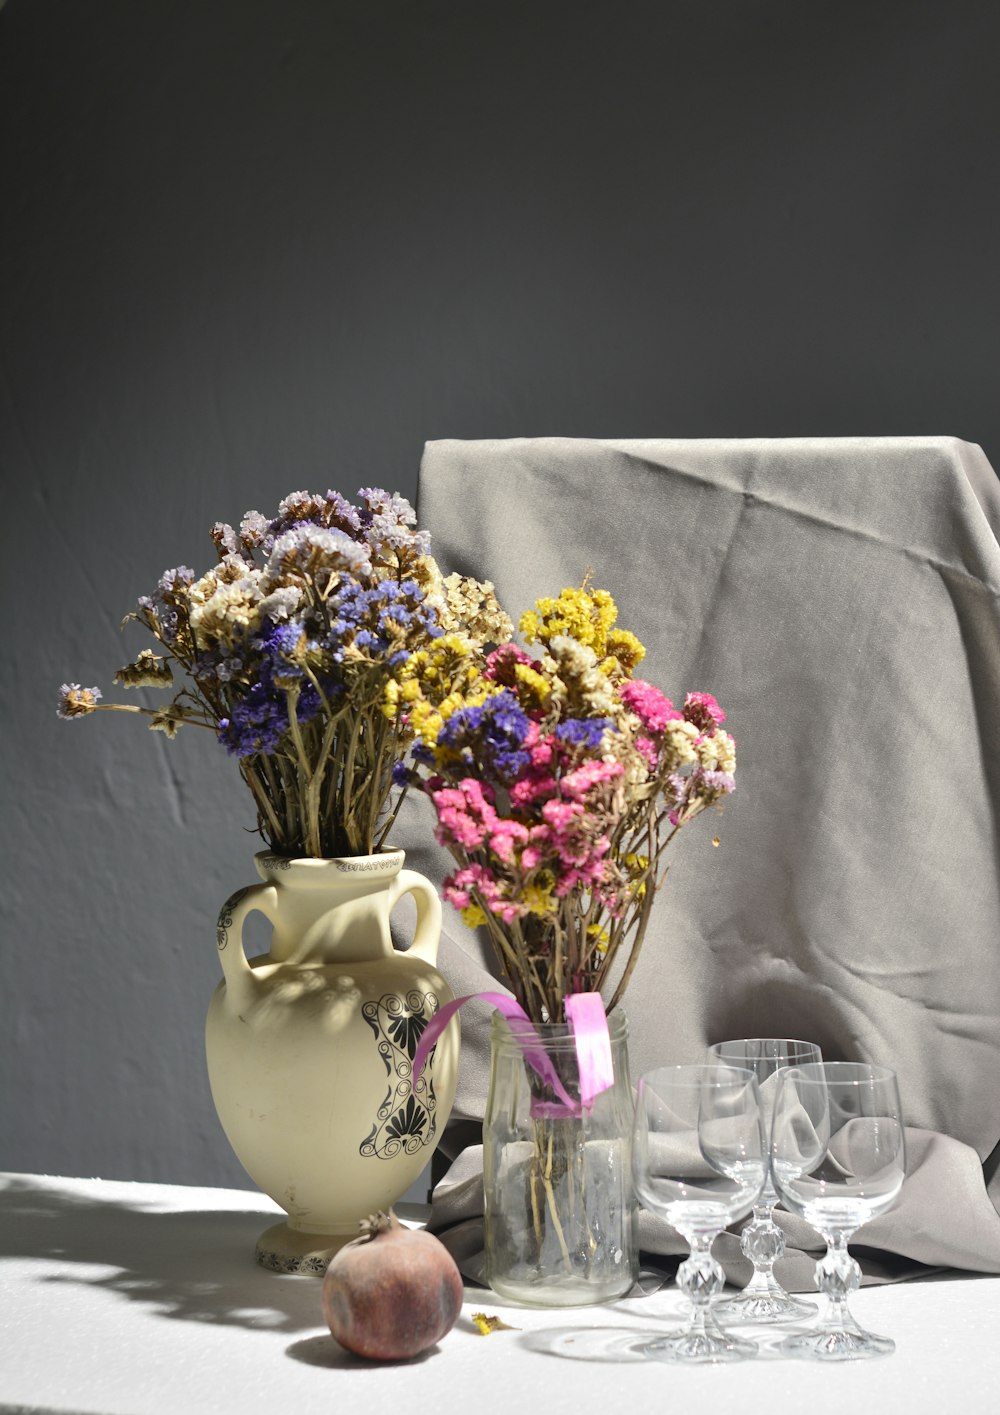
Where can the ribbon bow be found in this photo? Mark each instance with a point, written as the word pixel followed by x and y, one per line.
pixel 588 1024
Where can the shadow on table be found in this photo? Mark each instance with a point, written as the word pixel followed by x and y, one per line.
pixel 195 1267
pixel 324 1351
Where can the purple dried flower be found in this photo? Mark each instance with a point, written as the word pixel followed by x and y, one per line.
pixel 583 731
pixel 492 733
pixel 341 513
pixel 172 582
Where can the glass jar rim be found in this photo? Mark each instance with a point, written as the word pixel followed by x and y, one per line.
pixel 554 1035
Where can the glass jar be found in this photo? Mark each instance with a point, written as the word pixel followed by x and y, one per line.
pixel 559 1206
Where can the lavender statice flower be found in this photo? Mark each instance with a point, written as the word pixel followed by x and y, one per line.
pixel 75 701
pixel 174 582
pixel 226 540
pixel 161 606
pixel 340 514
pixel 386 503
pixel 335 551
pixel 386 522
pixel 255 532
pixel 282 645
pixel 221 663
pixel 282 649
pixel 170 624
pixel 226 669
pixel 583 731
pixel 296 507
pixel 382 620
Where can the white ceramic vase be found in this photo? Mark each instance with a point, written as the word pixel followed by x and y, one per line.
pixel 310 1047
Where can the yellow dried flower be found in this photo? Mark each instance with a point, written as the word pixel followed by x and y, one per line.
pixel 449 664
pixel 538 898
pixel 623 646
pixel 486 1324
pixel 600 936
pixel 584 615
pixel 534 689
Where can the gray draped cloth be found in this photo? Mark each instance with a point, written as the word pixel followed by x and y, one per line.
pixel 841 598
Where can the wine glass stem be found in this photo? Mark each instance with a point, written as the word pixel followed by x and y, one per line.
pixel 837 1276
pixel 763 1242
pixel 700 1277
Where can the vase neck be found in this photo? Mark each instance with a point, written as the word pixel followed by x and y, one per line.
pixel 332 911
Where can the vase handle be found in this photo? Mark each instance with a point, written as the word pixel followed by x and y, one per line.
pixel 427 934
pixel 229 931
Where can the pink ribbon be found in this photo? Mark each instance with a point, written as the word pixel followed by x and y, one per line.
pixel 588 1023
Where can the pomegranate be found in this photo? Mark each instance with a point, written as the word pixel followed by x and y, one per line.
pixel 393 1292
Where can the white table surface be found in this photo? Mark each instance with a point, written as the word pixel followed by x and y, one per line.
pixel 136 1299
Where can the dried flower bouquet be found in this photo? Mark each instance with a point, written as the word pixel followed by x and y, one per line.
pixel 559 781
pixel 288 650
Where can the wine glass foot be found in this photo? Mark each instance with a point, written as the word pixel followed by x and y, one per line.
pixel 698 1348
pixel 837 1344
pixel 766 1305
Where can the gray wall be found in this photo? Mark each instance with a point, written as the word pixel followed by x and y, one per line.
pixel 256 245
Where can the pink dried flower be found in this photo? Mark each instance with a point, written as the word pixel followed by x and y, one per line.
pixel 653 709
pixel 504 836
pixel 465 816
pixel 502 662
pixel 703 710
pixel 532 787
pixel 577 783
pixel 647 749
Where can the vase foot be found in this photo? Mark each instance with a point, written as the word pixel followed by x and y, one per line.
pixel 286 1250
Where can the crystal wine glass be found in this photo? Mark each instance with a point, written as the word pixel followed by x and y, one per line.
pixel 699 1161
pixel 838 1157
pixel 764 1299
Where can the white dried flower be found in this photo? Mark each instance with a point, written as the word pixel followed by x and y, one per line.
pixel 168 720
pixel 148 670
pixel 280 604
pixel 230 611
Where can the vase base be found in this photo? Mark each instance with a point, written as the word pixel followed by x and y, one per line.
pixel 281 1249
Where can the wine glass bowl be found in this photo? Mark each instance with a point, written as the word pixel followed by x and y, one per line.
pixel 699 1161
pixel 838 1158
pixel 762 1241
